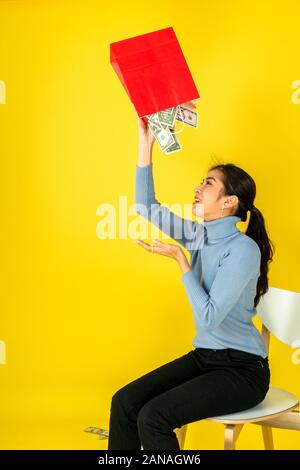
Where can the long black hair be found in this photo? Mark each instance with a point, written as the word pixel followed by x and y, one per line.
pixel 239 183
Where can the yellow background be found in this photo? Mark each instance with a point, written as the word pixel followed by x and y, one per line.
pixel 80 316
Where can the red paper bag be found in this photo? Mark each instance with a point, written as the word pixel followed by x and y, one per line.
pixel 153 71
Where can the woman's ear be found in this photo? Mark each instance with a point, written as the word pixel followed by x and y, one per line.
pixel 231 201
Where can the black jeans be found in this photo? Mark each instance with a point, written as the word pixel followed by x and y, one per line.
pixel 200 384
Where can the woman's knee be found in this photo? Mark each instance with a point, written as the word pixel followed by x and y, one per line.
pixel 123 398
pixel 151 414
pixel 145 415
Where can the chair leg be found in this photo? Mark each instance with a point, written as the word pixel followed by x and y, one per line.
pixel 181 434
pixel 231 434
pixel 268 437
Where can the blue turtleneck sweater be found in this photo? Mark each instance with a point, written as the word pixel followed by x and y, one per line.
pixel 225 266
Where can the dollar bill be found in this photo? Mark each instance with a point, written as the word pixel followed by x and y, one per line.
pixel 163 136
pixel 162 126
pixel 164 118
pixel 167 116
pixel 187 116
pixel 168 128
pixel 103 433
pixel 154 118
pixel 174 147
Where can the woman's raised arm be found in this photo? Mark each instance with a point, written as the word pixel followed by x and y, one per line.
pixel 181 230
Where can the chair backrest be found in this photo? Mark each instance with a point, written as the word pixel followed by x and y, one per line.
pixel 279 311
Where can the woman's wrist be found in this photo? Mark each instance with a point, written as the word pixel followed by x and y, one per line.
pixel 144 154
pixel 183 262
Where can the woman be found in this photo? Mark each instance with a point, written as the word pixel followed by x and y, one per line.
pixel 228 369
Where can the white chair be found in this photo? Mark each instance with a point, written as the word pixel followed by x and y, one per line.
pixel 279 311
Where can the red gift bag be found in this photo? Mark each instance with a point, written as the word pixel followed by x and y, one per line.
pixel 153 71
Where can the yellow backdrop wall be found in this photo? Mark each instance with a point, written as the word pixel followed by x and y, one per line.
pixel 81 316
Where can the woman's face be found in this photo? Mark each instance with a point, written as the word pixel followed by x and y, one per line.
pixel 209 201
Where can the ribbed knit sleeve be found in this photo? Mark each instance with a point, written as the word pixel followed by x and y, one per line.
pixel 236 269
pixel 146 204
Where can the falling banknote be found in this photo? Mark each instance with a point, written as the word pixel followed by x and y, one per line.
pixel 103 433
pixel 161 124
pixel 188 116
pixel 163 136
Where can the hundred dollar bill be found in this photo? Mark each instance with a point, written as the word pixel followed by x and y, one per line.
pixel 163 136
pixel 103 433
pixel 187 116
